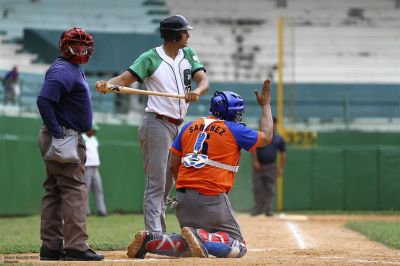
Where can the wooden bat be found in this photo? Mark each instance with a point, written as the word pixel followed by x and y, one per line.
pixel 127 90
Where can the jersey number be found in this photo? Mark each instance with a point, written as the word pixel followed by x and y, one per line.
pixel 204 150
pixel 187 80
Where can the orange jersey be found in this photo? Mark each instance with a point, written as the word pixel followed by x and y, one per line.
pixel 223 143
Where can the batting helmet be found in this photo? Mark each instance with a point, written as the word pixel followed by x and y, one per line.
pixel 76 45
pixel 171 27
pixel 227 105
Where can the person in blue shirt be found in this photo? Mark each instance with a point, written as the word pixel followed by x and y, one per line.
pixel 265 173
pixel 65 107
pixel 11 86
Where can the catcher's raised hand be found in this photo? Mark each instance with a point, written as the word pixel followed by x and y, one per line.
pixel 191 96
pixel 265 96
pixel 101 86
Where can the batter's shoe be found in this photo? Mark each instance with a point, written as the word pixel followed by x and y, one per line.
pixel 194 242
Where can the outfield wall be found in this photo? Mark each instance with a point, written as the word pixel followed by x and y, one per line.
pixel 365 176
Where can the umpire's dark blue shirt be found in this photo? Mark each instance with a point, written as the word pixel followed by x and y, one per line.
pixel 269 153
pixel 66 94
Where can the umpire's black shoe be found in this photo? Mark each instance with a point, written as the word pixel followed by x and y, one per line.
pixel 87 255
pixel 49 254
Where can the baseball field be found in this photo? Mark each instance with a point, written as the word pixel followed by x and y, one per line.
pixel 285 239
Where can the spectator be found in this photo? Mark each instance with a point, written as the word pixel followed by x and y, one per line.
pixel 265 173
pixel 92 173
pixel 11 86
pixel 66 109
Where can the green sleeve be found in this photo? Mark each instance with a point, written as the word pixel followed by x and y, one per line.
pixel 194 60
pixel 145 65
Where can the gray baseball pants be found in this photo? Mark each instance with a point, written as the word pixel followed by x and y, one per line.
pixel 93 183
pixel 211 213
pixel 156 137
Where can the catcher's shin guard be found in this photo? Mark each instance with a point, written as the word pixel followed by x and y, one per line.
pixel 221 245
pixel 169 245
pixel 152 242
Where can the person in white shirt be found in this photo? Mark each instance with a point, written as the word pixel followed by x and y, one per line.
pixel 92 173
pixel 169 68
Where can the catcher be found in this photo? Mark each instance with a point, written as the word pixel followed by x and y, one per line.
pixel 204 160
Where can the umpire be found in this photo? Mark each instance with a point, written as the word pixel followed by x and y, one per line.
pixel 66 109
pixel 265 173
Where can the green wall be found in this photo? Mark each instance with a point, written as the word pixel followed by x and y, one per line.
pixel 328 176
pixel 109 55
pixel 343 178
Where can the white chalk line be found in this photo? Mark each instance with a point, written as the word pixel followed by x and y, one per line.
pixel 135 260
pixel 296 235
pixel 380 262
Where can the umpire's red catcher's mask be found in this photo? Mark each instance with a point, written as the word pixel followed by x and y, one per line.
pixel 172 26
pixel 76 45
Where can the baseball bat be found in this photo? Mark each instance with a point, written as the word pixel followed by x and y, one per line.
pixel 127 90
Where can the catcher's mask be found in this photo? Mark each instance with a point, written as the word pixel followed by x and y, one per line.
pixel 171 27
pixel 227 105
pixel 76 45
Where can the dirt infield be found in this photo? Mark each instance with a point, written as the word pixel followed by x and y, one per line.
pixel 281 240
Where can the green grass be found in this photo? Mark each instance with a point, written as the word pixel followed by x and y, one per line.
pixel 387 233
pixel 342 212
pixel 114 232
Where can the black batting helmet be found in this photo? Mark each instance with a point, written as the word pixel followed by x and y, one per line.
pixel 170 27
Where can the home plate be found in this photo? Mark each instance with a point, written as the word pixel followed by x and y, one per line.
pixel 292 217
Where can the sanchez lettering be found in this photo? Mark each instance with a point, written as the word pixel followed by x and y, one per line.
pixel 212 128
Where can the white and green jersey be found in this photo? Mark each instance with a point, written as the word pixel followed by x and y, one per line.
pixel 163 74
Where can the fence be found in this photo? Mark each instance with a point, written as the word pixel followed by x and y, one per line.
pixel 327 176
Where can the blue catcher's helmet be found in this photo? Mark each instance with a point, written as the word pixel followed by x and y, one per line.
pixel 227 105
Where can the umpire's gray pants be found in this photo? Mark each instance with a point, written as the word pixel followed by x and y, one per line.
pixel 156 138
pixel 93 183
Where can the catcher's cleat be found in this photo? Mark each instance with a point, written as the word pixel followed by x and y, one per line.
pixel 194 242
pixel 137 248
